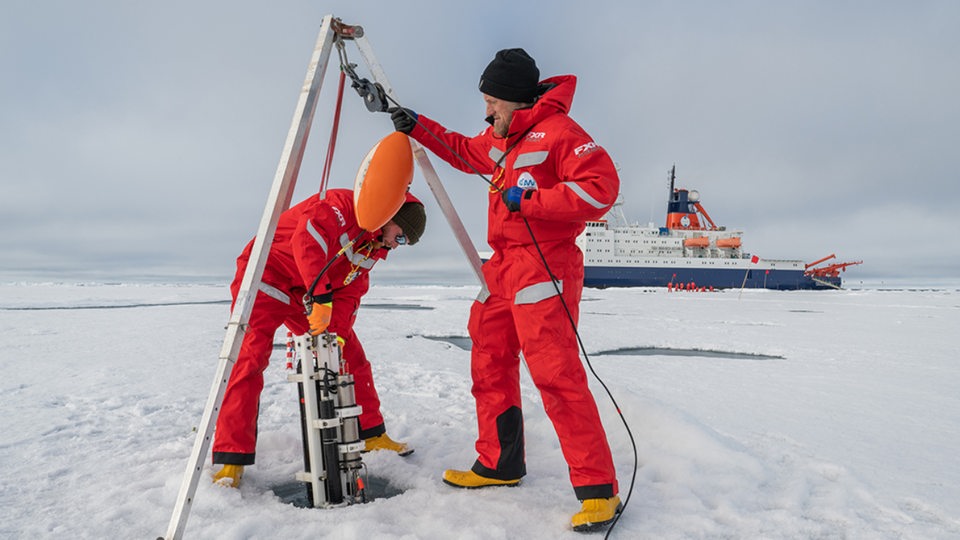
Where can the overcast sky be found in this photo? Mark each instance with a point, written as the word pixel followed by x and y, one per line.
pixel 140 139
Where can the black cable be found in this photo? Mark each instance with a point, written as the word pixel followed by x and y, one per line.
pixel 563 303
pixel 586 357
pixel 330 262
pixel 329 381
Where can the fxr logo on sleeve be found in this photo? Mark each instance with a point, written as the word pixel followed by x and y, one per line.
pixel 343 222
pixel 585 149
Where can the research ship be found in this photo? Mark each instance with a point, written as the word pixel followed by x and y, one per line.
pixel 690 252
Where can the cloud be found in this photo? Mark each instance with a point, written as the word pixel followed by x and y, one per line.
pixel 144 138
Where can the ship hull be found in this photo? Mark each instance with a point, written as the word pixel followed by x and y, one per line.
pixel 601 277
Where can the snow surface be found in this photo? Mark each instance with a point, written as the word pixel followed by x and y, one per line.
pixel 850 432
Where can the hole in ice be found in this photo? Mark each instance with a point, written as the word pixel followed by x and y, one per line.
pixel 464 343
pixel 114 306
pixel 397 306
pixel 295 493
pixel 663 351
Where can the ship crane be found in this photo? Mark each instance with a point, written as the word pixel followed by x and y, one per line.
pixel 831 270
pixel 706 216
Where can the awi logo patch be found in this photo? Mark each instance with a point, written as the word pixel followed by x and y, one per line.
pixel 526 181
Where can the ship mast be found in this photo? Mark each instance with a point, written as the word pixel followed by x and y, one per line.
pixel 673 176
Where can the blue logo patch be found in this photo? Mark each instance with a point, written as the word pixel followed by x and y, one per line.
pixel 526 181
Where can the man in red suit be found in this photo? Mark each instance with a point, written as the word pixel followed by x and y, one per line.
pixel 547 178
pixel 308 236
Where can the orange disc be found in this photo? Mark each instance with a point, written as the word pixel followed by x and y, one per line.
pixel 382 181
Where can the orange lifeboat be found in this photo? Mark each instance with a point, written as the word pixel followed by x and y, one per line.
pixel 699 241
pixel 732 242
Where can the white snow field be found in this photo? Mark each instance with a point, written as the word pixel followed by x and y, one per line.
pixel 759 414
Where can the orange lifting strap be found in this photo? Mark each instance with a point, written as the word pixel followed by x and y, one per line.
pixel 333 135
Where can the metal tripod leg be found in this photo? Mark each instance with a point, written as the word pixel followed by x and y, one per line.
pixel 430 175
pixel 281 192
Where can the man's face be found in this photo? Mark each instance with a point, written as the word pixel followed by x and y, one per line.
pixel 390 233
pixel 501 112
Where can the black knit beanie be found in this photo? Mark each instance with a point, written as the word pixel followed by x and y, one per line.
pixel 511 76
pixel 412 218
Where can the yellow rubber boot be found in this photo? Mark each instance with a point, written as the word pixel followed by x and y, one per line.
pixel 229 476
pixel 596 514
pixel 383 442
pixel 472 480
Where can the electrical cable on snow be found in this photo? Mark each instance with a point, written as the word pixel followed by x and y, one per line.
pixel 563 303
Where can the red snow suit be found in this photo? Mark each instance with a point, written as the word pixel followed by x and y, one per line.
pixel 572 179
pixel 307 237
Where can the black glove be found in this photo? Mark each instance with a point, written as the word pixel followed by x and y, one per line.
pixel 404 120
pixel 512 197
